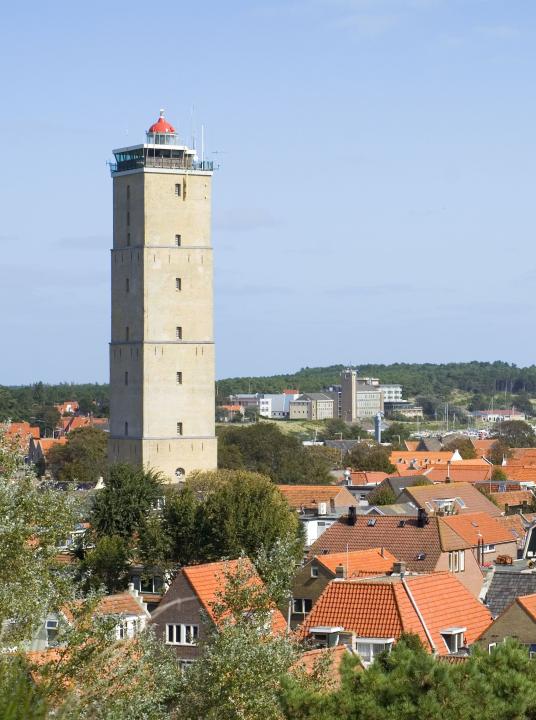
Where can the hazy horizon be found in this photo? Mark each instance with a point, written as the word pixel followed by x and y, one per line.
pixel 375 192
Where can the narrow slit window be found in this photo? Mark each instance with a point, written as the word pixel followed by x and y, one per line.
pixel 178 240
pixel 127 333
pixel 178 332
pixel 178 284
pixel 126 429
pixel 128 239
pixel 126 377
pixel 179 378
pixel 178 190
pixel 128 217
pixel 179 428
pixel 127 285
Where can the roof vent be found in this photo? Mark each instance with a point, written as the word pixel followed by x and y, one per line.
pixel 371 522
pixel 421 556
pixel 401 523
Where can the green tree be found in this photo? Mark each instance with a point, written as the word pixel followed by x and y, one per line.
pixel 339 430
pixel 369 456
pixel 20 697
pixel 128 496
pixel 514 433
pixel 499 451
pixel 395 434
pixel 238 674
pixel 243 513
pixel 498 475
pixel 34 521
pixel 82 459
pixel 180 520
pixel 48 418
pixel 463 445
pixel 263 448
pixel 382 495
pixel 106 565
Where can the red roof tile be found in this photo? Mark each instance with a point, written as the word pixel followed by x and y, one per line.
pixel 375 561
pixel 476 526
pixel 308 496
pixel 528 603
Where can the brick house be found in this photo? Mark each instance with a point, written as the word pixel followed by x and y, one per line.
pixel 517 621
pixel 425 544
pixel 487 537
pixel 183 615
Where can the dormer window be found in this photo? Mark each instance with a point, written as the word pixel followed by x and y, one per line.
pixel 454 638
pixel 314 571
pixel 368 649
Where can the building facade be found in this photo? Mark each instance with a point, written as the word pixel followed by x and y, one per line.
pixel 360 397
pixel 162 344
pixel 311 406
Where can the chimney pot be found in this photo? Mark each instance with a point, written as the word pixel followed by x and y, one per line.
pixel 399 568
pixel 340 572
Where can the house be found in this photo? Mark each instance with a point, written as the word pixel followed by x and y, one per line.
pixel 448 499
pixel 425 544
pixel 23 430
pixel 318 506
pixel 311 406
pixel 471 471
pixel 69 407
pixel 518 620
pixel 496 416
pixel 131 612
pixel 369 615
pixel 506 586
pixel 421 459
pixel 312 659
pixel 514 501
pixel 310 581
pixel 180 620
pixel 521 457
pixel 483 446
pixel 488 538
pixel 39 448
pixel 276 406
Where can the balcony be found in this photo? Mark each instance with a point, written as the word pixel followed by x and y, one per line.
pixel 167 163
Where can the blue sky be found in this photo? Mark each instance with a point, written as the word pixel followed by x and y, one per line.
pixel 375 197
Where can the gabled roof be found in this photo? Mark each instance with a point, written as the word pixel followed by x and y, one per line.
pixel 476 526
pixel 519 473
pixel 207 581
pixel 24 429
pixel 308 496
pixel 117 604
pixel 528 603
pixel 483 447
pixel 522 456
pixel 506 586
pixel 411 445
pixel 516 526
pixel 359 563
pixel 472 499
pixel 420 458
pixel 419 547
pixel 513 497
pixel 383 608
pixel 464 471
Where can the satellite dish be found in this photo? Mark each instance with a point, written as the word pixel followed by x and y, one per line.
pixel 179 473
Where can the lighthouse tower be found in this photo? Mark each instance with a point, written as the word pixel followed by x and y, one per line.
pixel 162 344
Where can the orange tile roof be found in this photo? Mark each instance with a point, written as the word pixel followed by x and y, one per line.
pixel 400 535
pixel 411 445
pixel 528 603
pixel 519 473
pixel 367 477
pixel 476 526
pixel 473 499
pixel 359 562
pixel 309 496
pixel 383 608
pixel 422 458
pixel 309 660
pixel 483 447
pixel 48 443
pixel 522 456
pixel 24 429
pixel 67 406
pixel 207 583
pixel 515 525
pixel 117 604
pixel 513 497
pixel 459 473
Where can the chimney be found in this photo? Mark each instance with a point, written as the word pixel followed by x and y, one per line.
pixel 399 568
pixel 340 572
pixel 352 515
pixel 448 472
pixel 382 552
pixel 422 518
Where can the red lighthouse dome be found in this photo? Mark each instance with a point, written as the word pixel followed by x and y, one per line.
pixel 161 126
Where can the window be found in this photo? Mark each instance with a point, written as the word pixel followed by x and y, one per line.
pixel 179 428
pixel 127 333
pixel 178 240
pixel 179 378
pixel 185 664
pixel 126 377
pixel 128 192
pixel 457 561
pixel 127 285
pixel 489 548
pixel 128 239
pixel 301 606
pixel 126 429
pixel 52 633
pixel 178 190
pixel 128 217
pixel 182 634
pixel 178 284
pixel 491 647
pixel 454 638
pixel 368 650
pixel 314 571
pixel 122 630
pixel 178 333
